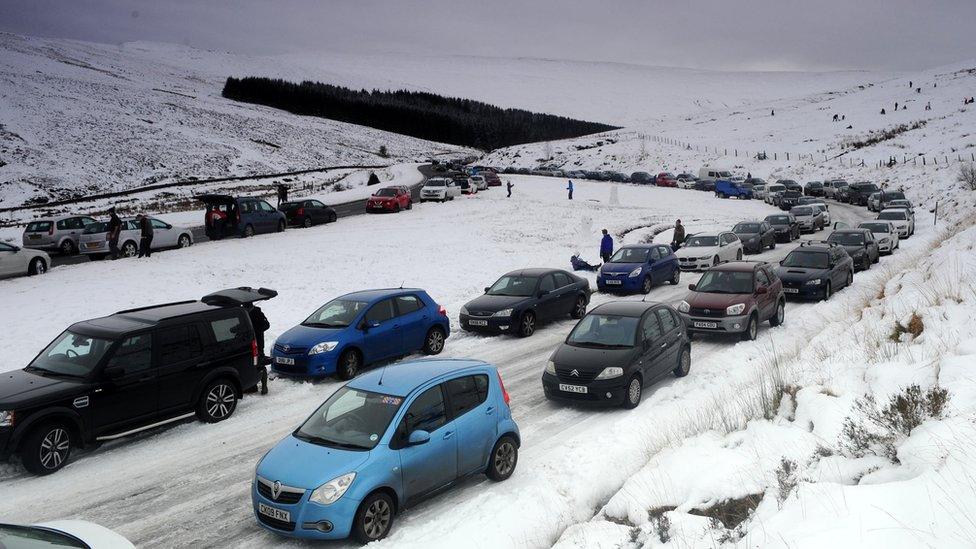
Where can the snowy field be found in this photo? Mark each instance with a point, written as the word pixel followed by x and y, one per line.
pixel 573 460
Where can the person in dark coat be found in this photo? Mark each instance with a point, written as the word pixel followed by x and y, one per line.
pixel 282 193
pixel 606 246
pixel 509 186
pixel 145 236
pixel 114 230
pixel 679 235
pixel 570 189
pixel 260 324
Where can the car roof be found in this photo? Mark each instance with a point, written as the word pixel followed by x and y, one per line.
pixel 647 246
pixel 892 210
pixel 136 319
pixel 738 266
pixel 402 378
pixel 58 218
pixel 379 293
pixel 534 271
pixel 709 233
pixel 624 308
pixel 852 231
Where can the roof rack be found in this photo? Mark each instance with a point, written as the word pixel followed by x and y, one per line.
pixel 818 243
pixel 155 306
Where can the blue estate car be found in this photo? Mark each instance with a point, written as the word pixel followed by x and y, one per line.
pixel 359 329
pixel 638 267
pixel 383 442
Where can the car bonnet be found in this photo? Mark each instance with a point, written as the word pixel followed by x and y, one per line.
pixel 302 464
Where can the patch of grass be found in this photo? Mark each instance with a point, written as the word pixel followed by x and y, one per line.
pixel 915 327
pixel 786 478
pixel 875 430
pixel 732 512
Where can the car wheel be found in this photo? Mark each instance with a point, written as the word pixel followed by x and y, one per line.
pixel 676 276
pixel 684 363
pixel 826 295
pixel 504 458
pixel 248 231
pixel 37 266
pixel 67 247
pixel 752 330
pixel 527 324
pixel 634 393
pixel 877 258
pixel 333 217
pixel 579 309
pixel 281 226
pixel 396 209
pixel 307 222
pixel 738 254
pixel 434 343
pixel 46 449
pixel 217 402
pixel 646 285
pixel 349 364
pixel 780 315
pixel 772 245
pixel 129 249
pixel 865 263
pixel 184 241
pixel 714 261
pixel 374 518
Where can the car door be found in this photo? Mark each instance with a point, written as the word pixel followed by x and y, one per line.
pixel 10 260
pixel 269 216
pixel 672 330
pixel 127 393
pixel 434 464
pixel 565 292
pixel 382 334
pixel 764 301
pixel 654 346
pixel 180 364
pixel 548 303
pixel 163 234
pixel 664 265
pixel 317 210
pixel 474 419
pixel 413 320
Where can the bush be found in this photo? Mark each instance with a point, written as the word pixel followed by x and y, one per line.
pixel 967 176
pixel 786 478
pixel 875 430
pixel 915 327
pixel 383 151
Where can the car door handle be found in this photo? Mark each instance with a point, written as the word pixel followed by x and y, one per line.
pixel 204 364
pixel 489 410
pixel 665 344
pixel 448 435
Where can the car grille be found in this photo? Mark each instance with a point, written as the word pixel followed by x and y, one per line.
pixel 481 314
pixel 713 313
pixel 277 524
pixel 288 495
pixel 291 350
pixel 566 375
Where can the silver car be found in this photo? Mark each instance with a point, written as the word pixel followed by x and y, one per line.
pixel 94 243
pixel 823 211
pixel 885 233
pixel 810 218
pixel 16 261
pixel 56 233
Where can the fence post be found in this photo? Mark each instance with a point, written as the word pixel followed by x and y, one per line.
pixel 787 156
pixel 774 156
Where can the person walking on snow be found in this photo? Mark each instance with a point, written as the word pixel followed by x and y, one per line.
pixel 570 189
pixel 606 246
pixel 114 230
pixel 679 235
pixel 509 186
pixel 260 324
pixel 145 236
pixel 282 193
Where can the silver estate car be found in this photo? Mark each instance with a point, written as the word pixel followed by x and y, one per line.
pixel 94 243
pixel 56 233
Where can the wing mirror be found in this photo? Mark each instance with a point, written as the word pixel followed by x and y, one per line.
pixel 762 290
pixel 542 293
pixel 418 437
pixel 365 325
pixel 114 372
pixel 486 289
pixel 691 287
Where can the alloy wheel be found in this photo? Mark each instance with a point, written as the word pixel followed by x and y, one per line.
pixel 54 448
pixel 376 520
pixel 580 309
pixel 184 241
pixel 307 222
pixel 435 341
pixel 220 401
pixel 634 391
pixel 505 458
pixel 646 285
pixel 528 324
pixel 129 249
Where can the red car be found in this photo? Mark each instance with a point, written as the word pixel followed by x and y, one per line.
pixel 665 179
pixel 390 199
pixel 492 178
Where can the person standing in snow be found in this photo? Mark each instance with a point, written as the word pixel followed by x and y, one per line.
pixel 772 112
pixel 509 186
pixel 606 246
pixel 882 110
pixel 114 230
pixel 260 324
pixel 282 193
pixel 679 235
pixel 570 189
pixel 145 236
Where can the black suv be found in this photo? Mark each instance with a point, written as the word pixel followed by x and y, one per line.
pixel 860 245
pixel 814 188
pixel 858 193
pixel 788 199
pixel 816 270
pixel 105 378
pixel 786 226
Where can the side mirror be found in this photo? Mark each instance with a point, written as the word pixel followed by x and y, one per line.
pixel 114 372
pixel 418 437
pixel 781 262
pixel 542 293
pixel 486 289
pixel 691 287
pixel 762 290
pixel 16 248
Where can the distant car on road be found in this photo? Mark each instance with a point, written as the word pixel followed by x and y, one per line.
pixel 734 298
pixel 813 188
pixel 492 179
pixel 832 188
pixel 439 189
pixel 713 174
pixel 703 250
pixel 642 178
pixel 882 199
pixel 822 207
pixel 755 235
pixel 59 234
pixel 901 218
pixel 394 198
pixel 480 182
pixel 785 225
pixel 885 233
pixel 637 268
pixel 810 219
pixel 730 189
pixel 858 193
pixel 243 216
pixel 16 261
pixel 615 351
pixel 772 192
pixel 787 199
pixel 816 270
pixel 94 241
pixel 860 245
pixel 665 179
pixel 686 180
pixel 306 213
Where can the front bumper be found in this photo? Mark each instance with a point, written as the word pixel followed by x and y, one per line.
pixel 885 246
pixel 424 196
pixel 622 283
pixel 800 290
pixel 488 324
pixel 306 515
pixel 722 325
pixel 752 247
pixel 305 365
pixel 380 206
pixel 607 392
pixel 695 263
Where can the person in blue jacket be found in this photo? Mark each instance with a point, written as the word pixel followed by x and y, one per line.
pixel 570 189
pixel 606 246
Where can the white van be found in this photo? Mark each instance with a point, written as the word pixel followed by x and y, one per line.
pixel 712 174
pixel 772 190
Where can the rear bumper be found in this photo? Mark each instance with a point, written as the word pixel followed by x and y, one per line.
pixel 623 283
pixel 305 365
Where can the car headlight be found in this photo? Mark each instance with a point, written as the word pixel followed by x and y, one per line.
pixel 464 310
pixel 551 367
pixel 814 282
pixel 323 347
pixel 503 312
pixel 684 307
pixel 636 272
pixel 735 309
pixel 6 418
pixel 328 493
pixel 611 372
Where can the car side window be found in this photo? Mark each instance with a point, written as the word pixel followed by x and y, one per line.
pixel 664 251
pixel 655 253
pixel 133 355
pixel 562 280
pixel 761 278
pixel 157 224
pixel 227 329
pixel 265 206
pixel 381 312
pixel 652 328
pixel 427 412
pixel 178 343
pixel 547 284
pixel 667 319
pixel 317 204
pixel 467 393
pixel 407 304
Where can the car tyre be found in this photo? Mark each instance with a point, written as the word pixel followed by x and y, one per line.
pixel 46 449
pixel 37 266
pixel 67 247
pixel 526 324
pixel 646 285
pixel 738 254
pixel 374 518
pixel 248 231
pixel 434 342
pixel 281 226
pixel 410 205
pixel 579 308
pixel 850 278
pixel 184 241
pixel 307 222
pixel 714 261
pixel 675 276
pixel 780 315
pixel 333 217
pixel 772 245
pixel 504 458
pixel 826 295
pixel 634 392
pixel 129 249
pixel 217 401
pixel 752 329
pixel 684 363
pixel 349 365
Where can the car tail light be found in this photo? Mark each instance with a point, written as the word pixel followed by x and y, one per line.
pixel 300 212
pixel 50 232
pixel 254 351
pixel 441 310
pixel 504 392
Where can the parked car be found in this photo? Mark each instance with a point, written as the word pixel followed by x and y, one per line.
pixel 806 200
pixel 94 241
pixel 665 179
pixel 786 227
pixel 885 233
pixel 791 185
pixel 713 174
pixel 823 212
pixel 813 188
pixel 637 268
pixel 882 199
pixel 730 189
pixel 241 216
pixel 480 182
pixel 755 235
pixel 772 192
pixel 816 270
pixel 707 185
pixel 832 188
pixel 520 300
pixel 61 533
pixel 906 204
pixel 109 377
pixel 787 199
pixel 492 179
pixel 809 218
pixel 59 234
pixel 686 180
pixel 439 189
pixel 306 213
pixel 618 177
pixel 901 218
pixel 642 178
pixel 734 298
pixel 858 193
pixel 16 261
pixel 758 191
pixel 383 442
pixel 615 351
pixel 703 250
pixel 860 245
pixel 355 330
pixel 391 199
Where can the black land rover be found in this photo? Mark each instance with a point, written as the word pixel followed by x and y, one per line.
pixel 109 377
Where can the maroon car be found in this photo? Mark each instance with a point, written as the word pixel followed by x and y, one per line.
pixel 665 179
pixel 390 199
pixel 492 178
pixel 734 298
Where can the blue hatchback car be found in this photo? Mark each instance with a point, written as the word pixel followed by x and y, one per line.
pixel 637 268
pixel 383 442
pixel 362 328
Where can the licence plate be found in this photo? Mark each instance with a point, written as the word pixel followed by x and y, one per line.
pixel 572 388
pixel 34 236
pixel 613 282
pixel 478 322
pixel 284 360
pixel 91 245
pixel 706 324
pixel 791 290
pixel 277 514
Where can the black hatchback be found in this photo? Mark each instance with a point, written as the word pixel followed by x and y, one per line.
pixel 816 270
pixel 615 351
pixel 305 213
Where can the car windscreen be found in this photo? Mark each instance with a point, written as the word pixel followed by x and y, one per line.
pixel 71 354
pixel 791 194
pixel 892 216
pixel 778 219
pixel 801 211
pixel 899 203
pixel 97 227
pixel 604 331
pixel 894 195
pixel 514 285
pixel 701 241
pixel 350 419
pixel 630 255
pixel 746 228
pixel 876 227
pixel 807 260
pixel 725 282
pixel 846 239
pixel 38 227
pixel 337 313
pixel 774 188
pixel 386 192
pixel 867 188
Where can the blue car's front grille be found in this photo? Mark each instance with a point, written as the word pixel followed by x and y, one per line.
pixel 290 350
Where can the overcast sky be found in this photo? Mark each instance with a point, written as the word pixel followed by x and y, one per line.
pixel 713 34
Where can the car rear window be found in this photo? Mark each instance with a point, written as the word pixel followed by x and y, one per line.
pixel 96 228
pixel 38 227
